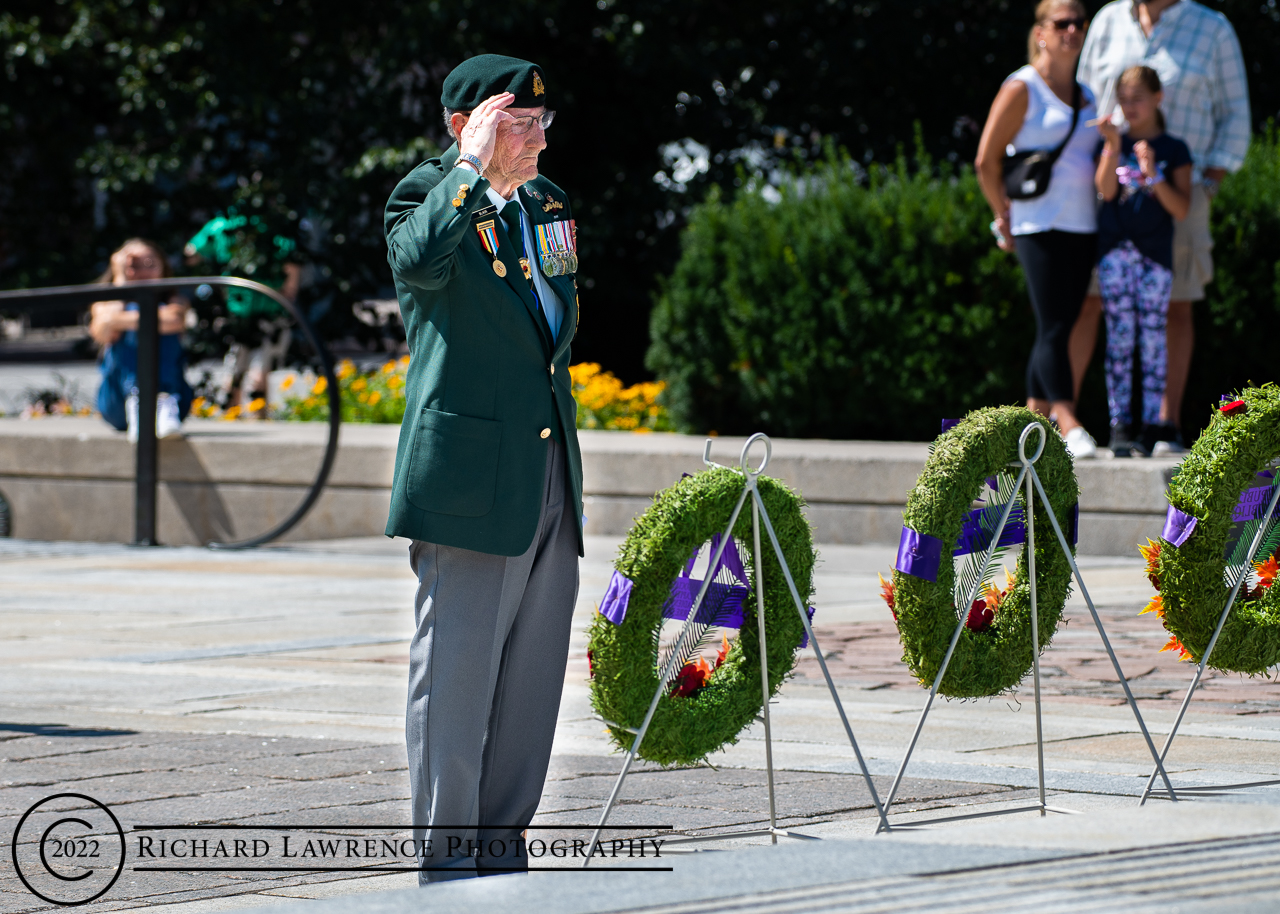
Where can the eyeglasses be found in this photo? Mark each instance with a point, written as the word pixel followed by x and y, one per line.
pixel 523 125
pixel 1063 24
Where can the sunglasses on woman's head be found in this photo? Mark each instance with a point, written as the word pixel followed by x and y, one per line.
pixel 1063 24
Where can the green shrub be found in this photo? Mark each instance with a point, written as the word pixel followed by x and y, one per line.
pixel 859 305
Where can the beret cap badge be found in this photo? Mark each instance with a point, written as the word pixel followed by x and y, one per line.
pixel 538 87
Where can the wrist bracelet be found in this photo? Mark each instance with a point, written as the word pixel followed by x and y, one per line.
pixel 473 161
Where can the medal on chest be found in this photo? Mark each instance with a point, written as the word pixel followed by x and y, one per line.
pixel 558 247
pixel 489 238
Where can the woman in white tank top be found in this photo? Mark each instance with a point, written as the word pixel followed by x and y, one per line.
pixel 1054 235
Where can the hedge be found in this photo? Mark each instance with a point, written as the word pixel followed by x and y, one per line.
pixel 870 303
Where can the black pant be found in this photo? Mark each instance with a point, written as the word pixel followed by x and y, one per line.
pixel 1057 266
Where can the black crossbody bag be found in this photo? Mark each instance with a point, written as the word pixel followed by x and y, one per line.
pixel 1027 174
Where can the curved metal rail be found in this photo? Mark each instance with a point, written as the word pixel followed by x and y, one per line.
pixel 85 295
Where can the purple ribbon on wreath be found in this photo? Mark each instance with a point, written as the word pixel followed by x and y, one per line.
pixel 722 606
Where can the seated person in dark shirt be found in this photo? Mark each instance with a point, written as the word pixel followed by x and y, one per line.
pixel 1144 180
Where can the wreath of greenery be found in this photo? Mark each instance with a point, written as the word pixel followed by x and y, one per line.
pixel 994 658
pixel 1191 578
pixel 624 658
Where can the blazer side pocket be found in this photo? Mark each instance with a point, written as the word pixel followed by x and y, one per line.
pixel 453 467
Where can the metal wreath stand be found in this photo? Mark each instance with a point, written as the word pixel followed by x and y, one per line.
pixel 759 515
pixel 1033 484
pixel 1214 789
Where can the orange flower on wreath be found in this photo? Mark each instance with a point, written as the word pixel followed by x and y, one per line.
pixel 1267 571
pixel 1151 552
pixel 1174 644
pixel 887 594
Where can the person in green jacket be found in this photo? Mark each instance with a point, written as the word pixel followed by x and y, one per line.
pixel 488 475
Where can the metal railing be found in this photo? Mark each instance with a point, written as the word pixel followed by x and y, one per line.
pixel 145 292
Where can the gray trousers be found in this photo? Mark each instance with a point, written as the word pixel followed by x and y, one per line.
pixel 486 669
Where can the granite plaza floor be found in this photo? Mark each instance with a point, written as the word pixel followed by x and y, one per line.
pixel 183 685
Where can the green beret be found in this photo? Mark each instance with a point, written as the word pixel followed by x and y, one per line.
pixel 487 75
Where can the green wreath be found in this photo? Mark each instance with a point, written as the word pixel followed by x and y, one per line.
pixel 686 728
pixel 991 657
pixel 1242 440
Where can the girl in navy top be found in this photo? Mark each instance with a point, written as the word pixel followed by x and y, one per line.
pixel 1144 181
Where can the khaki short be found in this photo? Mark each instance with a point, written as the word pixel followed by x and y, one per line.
pixel 1192 252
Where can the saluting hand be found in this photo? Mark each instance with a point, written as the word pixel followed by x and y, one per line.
pixel 481 131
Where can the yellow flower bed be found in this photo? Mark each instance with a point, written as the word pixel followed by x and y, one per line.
pixel 604 403
pixel 374 397
pixel 379 396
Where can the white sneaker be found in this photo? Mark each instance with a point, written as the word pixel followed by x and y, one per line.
pixel 1167 449
pixel 131 416
pixel 1080 444
pixel 167 419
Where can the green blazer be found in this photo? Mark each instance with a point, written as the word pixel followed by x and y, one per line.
pixel 487 385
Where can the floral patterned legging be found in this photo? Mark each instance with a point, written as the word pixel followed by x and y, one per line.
pixel 1135 297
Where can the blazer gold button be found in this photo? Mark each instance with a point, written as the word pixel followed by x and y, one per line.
pixel 553 369
pixel 545 433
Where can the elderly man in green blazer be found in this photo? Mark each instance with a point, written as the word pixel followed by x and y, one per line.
pixel 488 478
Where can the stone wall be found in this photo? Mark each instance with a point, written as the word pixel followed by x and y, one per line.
pixel 72 479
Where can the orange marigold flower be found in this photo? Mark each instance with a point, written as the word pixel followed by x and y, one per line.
pixel 287 381
pixel 1155 606
pixel 320 386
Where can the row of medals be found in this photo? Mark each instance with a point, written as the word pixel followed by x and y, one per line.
pixel 557 263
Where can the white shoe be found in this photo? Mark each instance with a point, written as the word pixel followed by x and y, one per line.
pixel 167 419
pixel 1080 444
pixel 131 416
pixel 1167 449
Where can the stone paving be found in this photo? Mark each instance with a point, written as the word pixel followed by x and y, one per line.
pixel 187 686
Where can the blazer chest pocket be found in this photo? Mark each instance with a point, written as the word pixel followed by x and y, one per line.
pixel 453 468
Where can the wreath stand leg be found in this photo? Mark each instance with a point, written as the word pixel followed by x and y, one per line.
pixel 759 515
pixel 1195 680
pixel 1028 475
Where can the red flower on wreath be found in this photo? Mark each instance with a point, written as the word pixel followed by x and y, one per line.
pixel 980 616
pixel 694 675
pixel 1235 408
pixel 691 678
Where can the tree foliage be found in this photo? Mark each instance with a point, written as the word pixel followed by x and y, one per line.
pixel 144 117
